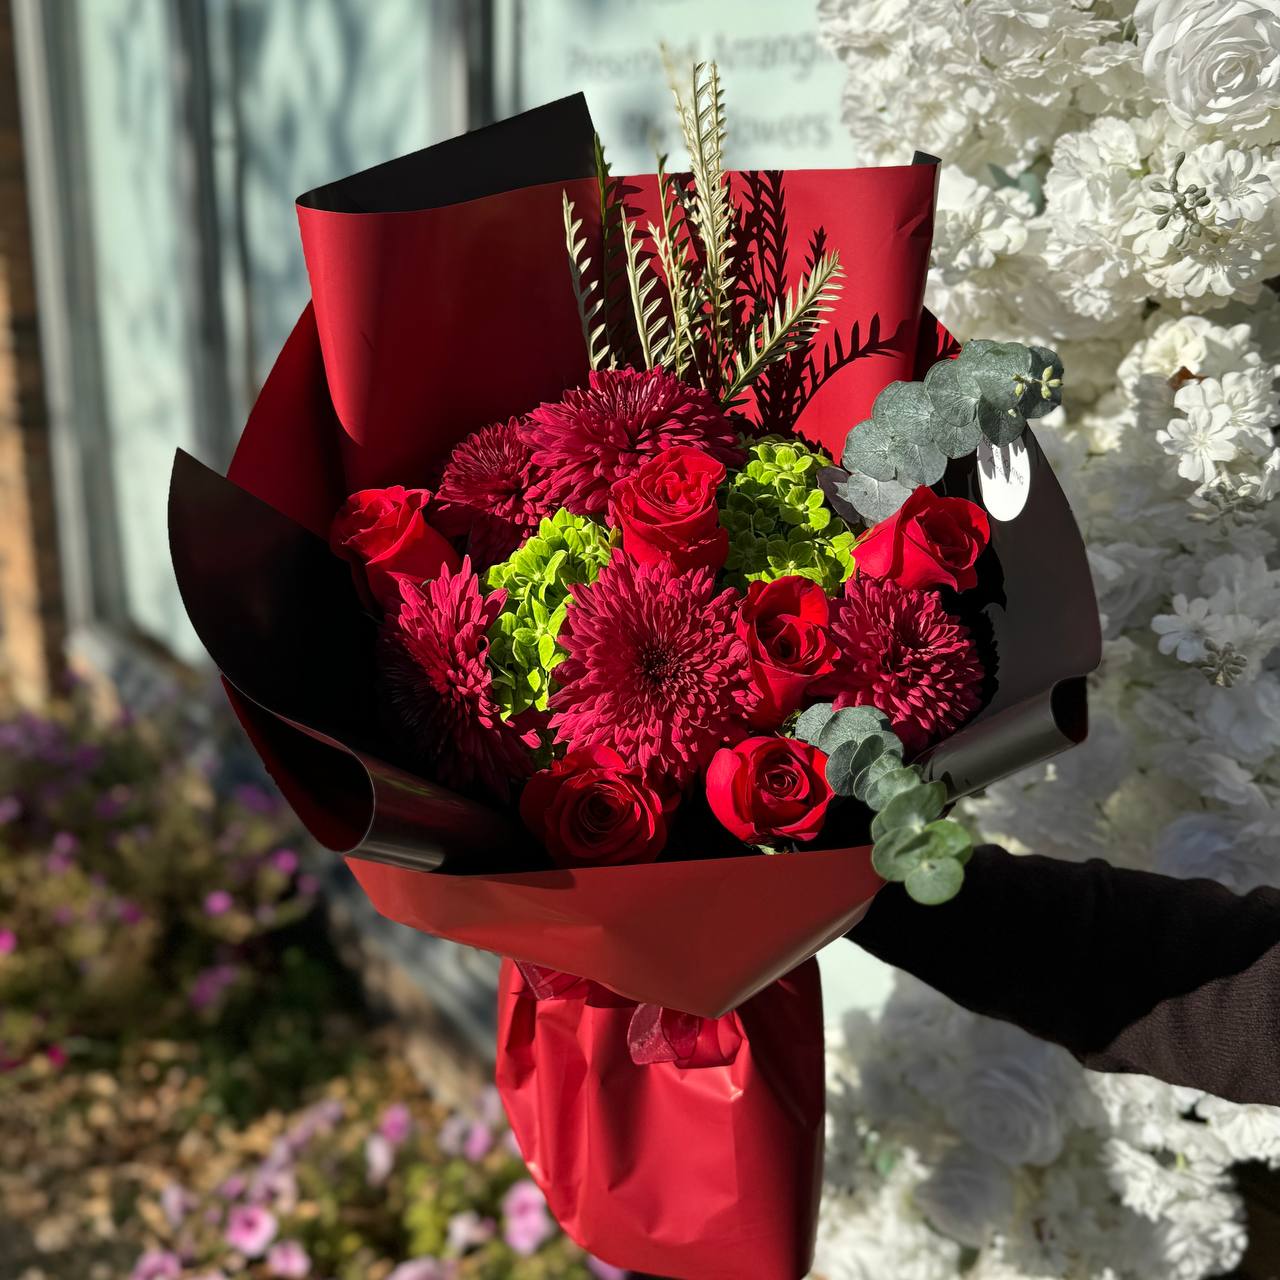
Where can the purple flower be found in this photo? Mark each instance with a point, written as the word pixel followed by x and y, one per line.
pixel 217 903
pixel 605 1270
pixel 318 1118
pixel 285 861
pixel 468 1230
pixel 63 916
pixel 526 1222
pixel 420 1269
pixel 65 844
pixel 288 1260
pixel 129 912
pixel 307 884
pixel 491 1109
pixel 209 984
pixel 379 1159
pixel 10 809
pixel 157 1264
pixel 478 1142
pixel 8 942
pixel 177 1202
pixel 254 798
pixel 232 1188
pixel 111 804
pixel 396 1124
pixel 453 1135
pixel 250 1228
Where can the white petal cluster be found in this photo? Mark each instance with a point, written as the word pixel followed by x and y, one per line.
pixel 1110 187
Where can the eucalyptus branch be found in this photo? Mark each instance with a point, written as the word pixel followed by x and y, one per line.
pixel 794 320
pixel 586 290
pixel 646 303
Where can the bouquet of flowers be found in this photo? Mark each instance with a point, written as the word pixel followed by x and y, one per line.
pixel 538 587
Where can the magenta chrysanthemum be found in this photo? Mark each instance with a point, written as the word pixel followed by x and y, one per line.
pixel 902 652
pixel 485 493
pixel 601 433
pixel 655 669
pixel 440 684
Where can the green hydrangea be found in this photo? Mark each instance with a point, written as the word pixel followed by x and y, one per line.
pixel 778 519
pixel 566 551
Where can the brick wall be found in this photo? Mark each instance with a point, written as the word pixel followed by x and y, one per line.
pixel 32 623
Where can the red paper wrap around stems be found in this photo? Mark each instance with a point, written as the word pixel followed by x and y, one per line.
pixel 705 1171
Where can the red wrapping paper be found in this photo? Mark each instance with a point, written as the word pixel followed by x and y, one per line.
pixel 700 1172
pixel 441 303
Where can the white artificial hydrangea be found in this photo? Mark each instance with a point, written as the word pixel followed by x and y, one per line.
pixel 1111 188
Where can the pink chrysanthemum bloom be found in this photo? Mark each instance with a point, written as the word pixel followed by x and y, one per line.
pixel 655 669
pixel 902 652
pixel 440 684
pixel 485 493
pixel 599 434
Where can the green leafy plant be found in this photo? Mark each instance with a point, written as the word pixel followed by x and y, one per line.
pixel 988 392
pixel 778 519
pixel 566 551
pixel 913 842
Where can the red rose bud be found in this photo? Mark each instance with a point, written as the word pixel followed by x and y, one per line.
pixel 384 532
pixel 770 788
pixel 590 809
pixel 783 623
pixel 928 542
pixel 667 511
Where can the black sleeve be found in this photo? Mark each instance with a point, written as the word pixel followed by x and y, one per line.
pixel 1178 979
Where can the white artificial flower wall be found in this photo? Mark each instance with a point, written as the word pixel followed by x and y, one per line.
pixel 1111 188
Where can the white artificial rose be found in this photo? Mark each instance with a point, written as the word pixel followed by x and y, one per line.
pixel 1008 1106
pixel 968 1196
pixel 1215 62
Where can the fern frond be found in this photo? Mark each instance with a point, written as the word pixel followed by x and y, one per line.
pixel 612 216
pixel 671 237
pixel 792 323
pixel 702 122
pixel 586 290
pixel 651 324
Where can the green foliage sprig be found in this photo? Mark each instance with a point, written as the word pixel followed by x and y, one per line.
pixel 989 391
pixel 913 842
pixel 689 325
pixel 567 551
pixel 778 520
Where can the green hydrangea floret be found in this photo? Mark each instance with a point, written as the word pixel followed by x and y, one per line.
pixel 778 519
pixel 567 551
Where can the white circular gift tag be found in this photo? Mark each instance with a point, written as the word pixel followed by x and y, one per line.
pixel 1004 477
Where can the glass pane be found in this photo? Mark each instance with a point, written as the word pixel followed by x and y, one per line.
pixel 782 86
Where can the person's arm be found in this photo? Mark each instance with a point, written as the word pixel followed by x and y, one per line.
pixel 1130 971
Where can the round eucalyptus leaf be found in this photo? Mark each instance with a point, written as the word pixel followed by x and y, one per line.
pixel 900 779
pixel 954 396
pixel 934 880
pixel 851 722
pixel 874 500
pixel 917 460
pixel 868 450
pixel 1000 426
pixel 911 808
pixel 840 767
pixel 948 839
pixel 883 765
pixel 1000 372
pixel 812 721
pixel 905 409
pixel 898 854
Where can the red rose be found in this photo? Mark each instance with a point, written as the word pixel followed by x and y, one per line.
pixel 667 511
pixel 769 788
pixel 928 542
pixel 783 623
pixel 384 532
pixel 590 809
